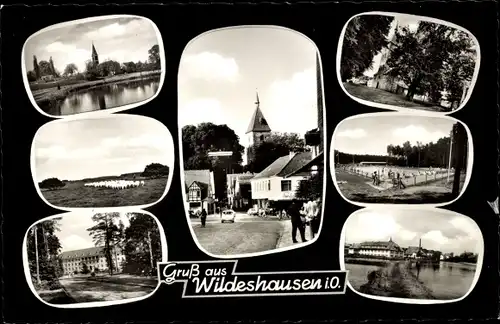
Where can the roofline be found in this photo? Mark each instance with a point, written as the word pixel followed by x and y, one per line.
pixel 284 166
pixel 299 170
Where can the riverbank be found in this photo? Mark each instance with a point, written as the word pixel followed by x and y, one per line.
pixel 48 96
pixel 396 280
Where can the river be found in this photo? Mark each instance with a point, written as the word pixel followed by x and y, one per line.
pixel 105 97
pixel 447 280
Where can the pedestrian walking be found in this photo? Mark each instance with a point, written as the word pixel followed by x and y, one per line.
pixel 315 217
pixel 203 217
pixel 297 222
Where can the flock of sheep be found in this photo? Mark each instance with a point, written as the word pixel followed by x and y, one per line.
pixel 116 184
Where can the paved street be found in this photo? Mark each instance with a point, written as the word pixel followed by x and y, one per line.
pixel 248 234
pixel 108 288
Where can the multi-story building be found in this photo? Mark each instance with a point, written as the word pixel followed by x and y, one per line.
pixel 200 190
pixel 95 259
pixel 388 249
pixel 239 190
pixel 258 130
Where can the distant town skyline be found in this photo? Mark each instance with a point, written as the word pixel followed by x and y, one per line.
pixel 109 146
pixel 221 71
pixel 440 231
pixel 371 135
pixel 122 39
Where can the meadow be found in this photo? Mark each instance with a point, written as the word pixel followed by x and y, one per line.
pixel 76 195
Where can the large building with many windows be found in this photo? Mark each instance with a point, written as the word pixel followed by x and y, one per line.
pixel 94 258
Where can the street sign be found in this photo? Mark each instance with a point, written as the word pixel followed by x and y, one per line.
pixel 220 153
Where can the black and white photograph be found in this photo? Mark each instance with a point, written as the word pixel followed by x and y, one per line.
pixel 86 257
pixel 110 161
pixel 418 254
pixel 403 61
pixel 251 114
pixel 400 159
pixel 93 64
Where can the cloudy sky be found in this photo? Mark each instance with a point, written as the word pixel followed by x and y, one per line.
pixel 371 135
pixel 220 72
pixel 74 234
pixel 112 145
pixel 442 231
pixel 120 39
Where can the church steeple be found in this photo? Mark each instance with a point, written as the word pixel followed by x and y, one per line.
pixel 258 124
pixel 95 57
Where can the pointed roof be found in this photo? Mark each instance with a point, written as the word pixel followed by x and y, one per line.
pixel 258 123
pixel 94 52
pixel 285 165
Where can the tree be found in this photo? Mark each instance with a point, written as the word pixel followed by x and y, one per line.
pixel 155 170
pixel 272 148
pixel 108 68
pixel 45 68
pixel 31 76
pixel 53 70
pixel 70 69
pixel 143 244
pixel 106 233
pixel 129 67
pixel 154 57
pixel 51 184
pixel 426 58
pixel 43 248
pixel 36 68
pixel 311 188
pixel 85 268
pixel 364 37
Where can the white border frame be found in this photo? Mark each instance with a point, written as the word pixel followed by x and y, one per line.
pixel 100 209
pixel 470 157
pixel 325 157
pixel 96 112
pixel 422 18
pixel 27 273
pixel 479 264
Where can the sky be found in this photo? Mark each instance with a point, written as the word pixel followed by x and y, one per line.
pixel 401 21
pixel 440 231
pixel 107 146
pixel 120 39
pixel 221 71
pixel 73 233
pixel 371 135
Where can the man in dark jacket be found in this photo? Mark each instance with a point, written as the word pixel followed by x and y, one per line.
pixel 297 223
pixel 203 217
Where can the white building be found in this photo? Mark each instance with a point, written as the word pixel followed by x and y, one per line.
pixel 387 249
pixel 94 258
pixel 277 182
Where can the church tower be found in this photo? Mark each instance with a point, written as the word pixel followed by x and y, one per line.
pixel 258 129
pixel 95 57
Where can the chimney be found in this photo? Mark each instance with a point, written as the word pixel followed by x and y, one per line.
pixel 420 244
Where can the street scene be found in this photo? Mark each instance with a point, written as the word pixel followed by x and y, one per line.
pixel 431 255
pixel 83 257
pixel 252 139
pixel 400 159
pixel 111 161
pixel 93 64
pixel 405 61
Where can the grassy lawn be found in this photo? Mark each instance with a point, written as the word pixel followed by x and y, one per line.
pixel 76 195
pixel 108 288
pixel 358 189
pixel 388 98
pixel 239 238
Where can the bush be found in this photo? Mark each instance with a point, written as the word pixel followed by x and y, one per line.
pixel 51 183
pixel 155 170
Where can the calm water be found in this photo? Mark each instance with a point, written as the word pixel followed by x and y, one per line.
pixel 446 280
pixel 105 97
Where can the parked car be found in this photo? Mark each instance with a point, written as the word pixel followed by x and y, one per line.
pixel 253 211
pixel 228 215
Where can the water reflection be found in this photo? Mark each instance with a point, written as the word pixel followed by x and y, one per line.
pixel 446 280
pixel 105 97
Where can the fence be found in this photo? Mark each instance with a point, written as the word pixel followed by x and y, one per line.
pixel 409 176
